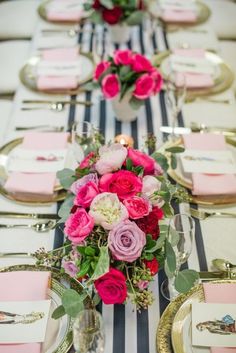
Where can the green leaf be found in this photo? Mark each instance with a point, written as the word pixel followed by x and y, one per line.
pixel 170 257
pixel 136 103
pixel 185 280
pixel 66 177
pixel 90 86
pixel 96 17
pixel 135 18
pixel 89 251
pixel 124 70
pixel 161 159
pixel 64 211
pixel 58 312
pixel 148 257
pixel 163 228
pixel 176 149
pixel 173 161
pixel 158 244
pixel 102 265
pixel 168 273
pixel 84 268
pixel 73 302
pixel 168 210
pixel 129 164
pixel 107 3
pixel 173 237
pixel 96 299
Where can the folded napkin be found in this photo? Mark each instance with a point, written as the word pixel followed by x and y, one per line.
pixel 192 67
pixel 23 286
pixel 178 5
pixel 65 10
pixel 187 16
pixel 47 83
pixel 220 293
pixel 33 184
pixel 210 184
pixel 60 54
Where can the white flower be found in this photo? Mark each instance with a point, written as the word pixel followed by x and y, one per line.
pixel 111 158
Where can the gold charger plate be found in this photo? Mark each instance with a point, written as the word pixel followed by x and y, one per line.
pixel 223 77
pixel 204 200
pixel 28 74
pixel 203 13
pixel 165 327
pixel 42 11
pixel 59 333
pixel 58 195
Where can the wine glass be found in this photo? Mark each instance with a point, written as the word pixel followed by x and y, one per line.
pixel 180 235
pixel 175 94
pixel 88 332
pixel 83 139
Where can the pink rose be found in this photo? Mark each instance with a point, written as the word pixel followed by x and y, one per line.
pixel 75 187
pixel 126 241
pixel 69 267
pixel 111 287
pixel 142 159
pixel 123 183
pixel 111 158
pixel 151 186
pixel 123 57
pixel 158 81
pixel 88 161
pixel 100 69
pixel 107 210
pixel 158 169
pixel 86 194
pixel 137 207
pixel 110 86
pixel 78 226
pixel 141 64
pixel 144 87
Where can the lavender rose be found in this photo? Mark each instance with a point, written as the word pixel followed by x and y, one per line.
pixel 126 241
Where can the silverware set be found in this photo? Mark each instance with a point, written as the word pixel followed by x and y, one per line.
pixel 202 215
pixel 56 106
pixel 39 227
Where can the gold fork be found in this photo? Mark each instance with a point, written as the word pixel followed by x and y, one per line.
pixel 204 215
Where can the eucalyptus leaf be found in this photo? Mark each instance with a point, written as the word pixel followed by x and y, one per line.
pixel 185 280
pixel 66 177
pixel 158 244
pixel 175 149
pixel 96 17
pixel 173 237
pixel 161 159
pixel 163 228
pixel 64 211
pixel 170 257
pixel 102 265
pixel 90 86
pixel 58 312
pixel 168 210
pixel 107 3
pixel 135 18
pixel 173 161
pixel 96 299
pixel 72 302
pixel 168 273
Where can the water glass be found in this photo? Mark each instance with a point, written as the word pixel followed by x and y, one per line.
pixel 82 139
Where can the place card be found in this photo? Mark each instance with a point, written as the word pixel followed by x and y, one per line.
pixel 208 162
pixel 23 322
pixel 213 325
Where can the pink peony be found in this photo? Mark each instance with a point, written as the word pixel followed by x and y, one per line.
pixel 158 81
pixel 141 64
pixel 137 206
pixel 141 159
pixel 123 57
pixel 111 287
pixel 110 86
pixel 76 186
pixel 78 226
pixel 144 86
pixel 107 210
pixel 111 158
pixel 123 183
pixel 100 69
pixel 126 241
pixel 86 194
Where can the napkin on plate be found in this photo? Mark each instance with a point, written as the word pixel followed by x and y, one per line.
pixel 187 16
pixel 210 184
pixel 65 10
pixel 192 67
pixel 23 286
pixel 60 54
pixel 220 293
pixel 37 183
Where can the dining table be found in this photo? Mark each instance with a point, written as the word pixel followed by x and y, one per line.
pixel 126 329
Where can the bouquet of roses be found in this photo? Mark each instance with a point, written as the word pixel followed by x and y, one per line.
pixel 115 232
pixel 128 73
pixel 116 11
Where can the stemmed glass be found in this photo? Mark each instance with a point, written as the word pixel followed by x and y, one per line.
pixel 83 139
pixel 175 94
pixel 180 235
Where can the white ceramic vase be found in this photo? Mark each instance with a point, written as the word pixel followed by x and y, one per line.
pixel 123 110
pixel 119 33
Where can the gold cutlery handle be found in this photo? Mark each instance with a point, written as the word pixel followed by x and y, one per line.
pixel 223 214
pixel 9 254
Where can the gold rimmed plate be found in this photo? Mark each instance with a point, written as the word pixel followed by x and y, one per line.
pixel 44 7
pixel 184 180
pixel 202 11
pixel 59 332
pixel 28 74
pixel 223 76
pixel 36 200
pixel 174 327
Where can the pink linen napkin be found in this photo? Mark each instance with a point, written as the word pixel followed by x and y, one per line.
pixel 210 184
pixel 70 16
pixel 23 286
pixel 33 183
pixel 220 293
pixel 192 80
pixel 60 54
pixel 179 16
pixel 47 83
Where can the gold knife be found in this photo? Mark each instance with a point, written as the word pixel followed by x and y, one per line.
pixel 208 276
pixel 28 215
pixel 28 101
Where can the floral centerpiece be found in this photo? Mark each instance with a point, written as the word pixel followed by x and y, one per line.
pixel 128 79
pixel 118 14
pixel 114 214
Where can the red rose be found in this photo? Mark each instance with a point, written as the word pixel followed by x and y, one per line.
pixel 110 86
pixel 100 69
pixel 150 223
pixel 141 64
pixel 141 159
pixel 153 265
pixel 88 161
pixel 137 207
pixel 96 5
pixel 144 87
pixel 123 183
pixel 111 287
pixel 112 16
pixel 86 194
pixel 123 57
pixel 155 74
